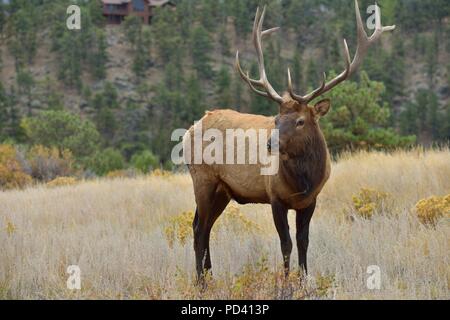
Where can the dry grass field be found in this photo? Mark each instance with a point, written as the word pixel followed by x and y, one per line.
pixel 132 237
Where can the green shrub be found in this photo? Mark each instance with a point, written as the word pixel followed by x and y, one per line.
pixel 106 161
pixel 145 161
pixel 63 130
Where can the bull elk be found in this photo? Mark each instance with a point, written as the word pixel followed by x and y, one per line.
pixel 304 165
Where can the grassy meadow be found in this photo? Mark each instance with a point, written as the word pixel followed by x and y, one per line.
pixel 132 238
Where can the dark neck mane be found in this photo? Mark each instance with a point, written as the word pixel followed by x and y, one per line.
pixel 305 171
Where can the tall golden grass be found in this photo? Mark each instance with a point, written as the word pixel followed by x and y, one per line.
pixel 122 233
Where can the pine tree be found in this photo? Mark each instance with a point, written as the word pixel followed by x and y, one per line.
pixel 201 47
pixel 359 119
pixel 2 19
pixel 99 56
pixel 110 96
pixel 23 43
pixel 208 12
pixel 140 41
pixel 312 74
pixel 132 27
pixel 445 125
pixel 194 99
pixel 433 122
pixel 408 119
pixel 236 94
pixel 297 73
pixel 106 124
pixel 70 60
pixel 168 40
pixel 431 60
pixel 224 43
pixel 241 14
pixel 25 83
pixel 173 76
pixel 396 64
pixel 3 112
pixel 223 91
pixel 53 97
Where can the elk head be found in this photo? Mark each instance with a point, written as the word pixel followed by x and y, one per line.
pixel 297 121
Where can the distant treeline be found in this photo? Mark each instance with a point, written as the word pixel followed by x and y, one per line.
pixel 192 50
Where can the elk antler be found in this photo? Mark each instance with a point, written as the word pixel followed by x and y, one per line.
pixel 258 34
pixel 364 42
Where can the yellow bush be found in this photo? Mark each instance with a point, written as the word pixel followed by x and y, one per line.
pixel 62 181
pixel 252 279
pixel 11 171
pixel 10 228
pixel 368 201
pixel 179 227
pixel 7 152
pixel 161 173
pixel 259 281
pixel 430 210
pixel 119 174
pixel 324 284
pixel 234 220
pixel 255 281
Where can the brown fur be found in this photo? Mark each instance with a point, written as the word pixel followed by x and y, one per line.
pixel 304 169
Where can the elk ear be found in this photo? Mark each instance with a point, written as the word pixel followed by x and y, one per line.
pixel 322 107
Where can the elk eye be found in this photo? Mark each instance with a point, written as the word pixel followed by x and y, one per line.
pixel 300 122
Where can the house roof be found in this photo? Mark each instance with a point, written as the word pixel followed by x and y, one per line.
pixel 153 3
pixel 158 3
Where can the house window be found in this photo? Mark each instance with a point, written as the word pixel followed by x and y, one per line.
pixel 138 5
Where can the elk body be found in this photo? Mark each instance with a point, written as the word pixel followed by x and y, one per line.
pixel 304 161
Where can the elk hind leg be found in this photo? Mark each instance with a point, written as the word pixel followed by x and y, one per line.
pixel 211 202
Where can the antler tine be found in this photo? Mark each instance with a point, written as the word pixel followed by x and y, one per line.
pixel 258 34
pixel 309 97
pixel 291 89
pixel 261 93
pixel 340 78
pixel 364 43
pixel 270 31
pixel 243 75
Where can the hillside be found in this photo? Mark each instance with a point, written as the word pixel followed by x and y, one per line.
pixel 119 71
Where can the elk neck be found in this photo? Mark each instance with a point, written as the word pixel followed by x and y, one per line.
pixel 307 170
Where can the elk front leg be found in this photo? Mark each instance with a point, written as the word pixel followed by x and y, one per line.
pixel 302 222
pixel 279 212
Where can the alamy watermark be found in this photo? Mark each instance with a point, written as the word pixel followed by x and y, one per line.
pixel 374 280
pixel 234 146
pixel 73 22
pixel 74 279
